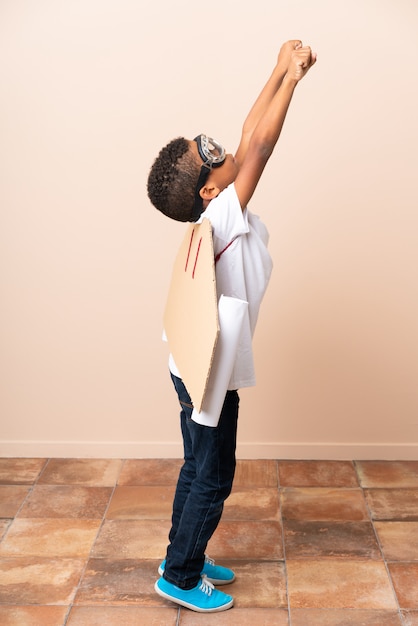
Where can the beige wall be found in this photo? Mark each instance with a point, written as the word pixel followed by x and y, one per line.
pixel 90 90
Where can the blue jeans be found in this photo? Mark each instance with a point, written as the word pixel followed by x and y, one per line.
pixel 204 483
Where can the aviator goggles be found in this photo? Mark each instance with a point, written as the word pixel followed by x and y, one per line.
pixel 212 154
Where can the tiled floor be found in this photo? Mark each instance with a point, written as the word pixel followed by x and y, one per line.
pixel 317 543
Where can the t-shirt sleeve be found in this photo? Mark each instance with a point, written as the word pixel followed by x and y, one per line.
pixel 227 219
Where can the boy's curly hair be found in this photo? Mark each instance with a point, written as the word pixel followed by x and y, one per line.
pixel 172 180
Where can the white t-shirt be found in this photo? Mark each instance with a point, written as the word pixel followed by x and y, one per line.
pixel 243 271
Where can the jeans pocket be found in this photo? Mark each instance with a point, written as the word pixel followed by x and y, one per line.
pixel 183 395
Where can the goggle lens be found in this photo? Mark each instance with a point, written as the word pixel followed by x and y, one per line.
pixel 211 152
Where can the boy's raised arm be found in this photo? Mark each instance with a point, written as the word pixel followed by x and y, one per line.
pixel 265 97
pixel 264 136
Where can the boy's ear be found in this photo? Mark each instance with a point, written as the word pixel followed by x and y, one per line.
pixel 209 191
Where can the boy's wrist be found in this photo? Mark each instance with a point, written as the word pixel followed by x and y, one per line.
pixel 289 81
pixel 280 69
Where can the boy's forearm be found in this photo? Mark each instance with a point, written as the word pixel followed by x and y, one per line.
pixel 267 131
pixel 269 127
pixel 265 97
pixel 258 109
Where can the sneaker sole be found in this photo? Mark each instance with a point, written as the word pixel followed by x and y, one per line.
pixel 215 581
pixel 193 607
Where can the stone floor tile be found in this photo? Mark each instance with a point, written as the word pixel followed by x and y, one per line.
pixel 256 473
pixel 49 501
pixel 398 474
pixel 339 585
pixel 344 617
pixel 317 474
pixel 120 582
pixel 236 617
pixel 122 616
pixel 50 538
pixel 88 472
pixel 258 584
pixel 252 504
pixel 33 615
pixel 258 540
pixel 322 504
pixel 20 471
pixel 135 539
pixel 11 499
pixel 410 618
pixel 355 540
pixel 405 581
pixel 34 580
pixel 399 540
pixel 393 504
pixel 142 502
pixel 152 472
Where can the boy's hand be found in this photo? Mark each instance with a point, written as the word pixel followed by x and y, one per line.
pixel 286 52
pixel 301 60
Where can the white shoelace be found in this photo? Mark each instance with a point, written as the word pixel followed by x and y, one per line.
pixel 208 560
pixel 206 586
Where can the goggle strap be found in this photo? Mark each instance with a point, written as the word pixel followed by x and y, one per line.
pixel 198 200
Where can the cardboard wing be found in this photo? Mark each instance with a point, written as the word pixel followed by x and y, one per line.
pixel 191 314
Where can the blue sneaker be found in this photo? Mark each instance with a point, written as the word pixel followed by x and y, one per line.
pixel 203 598
pixel 216 574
